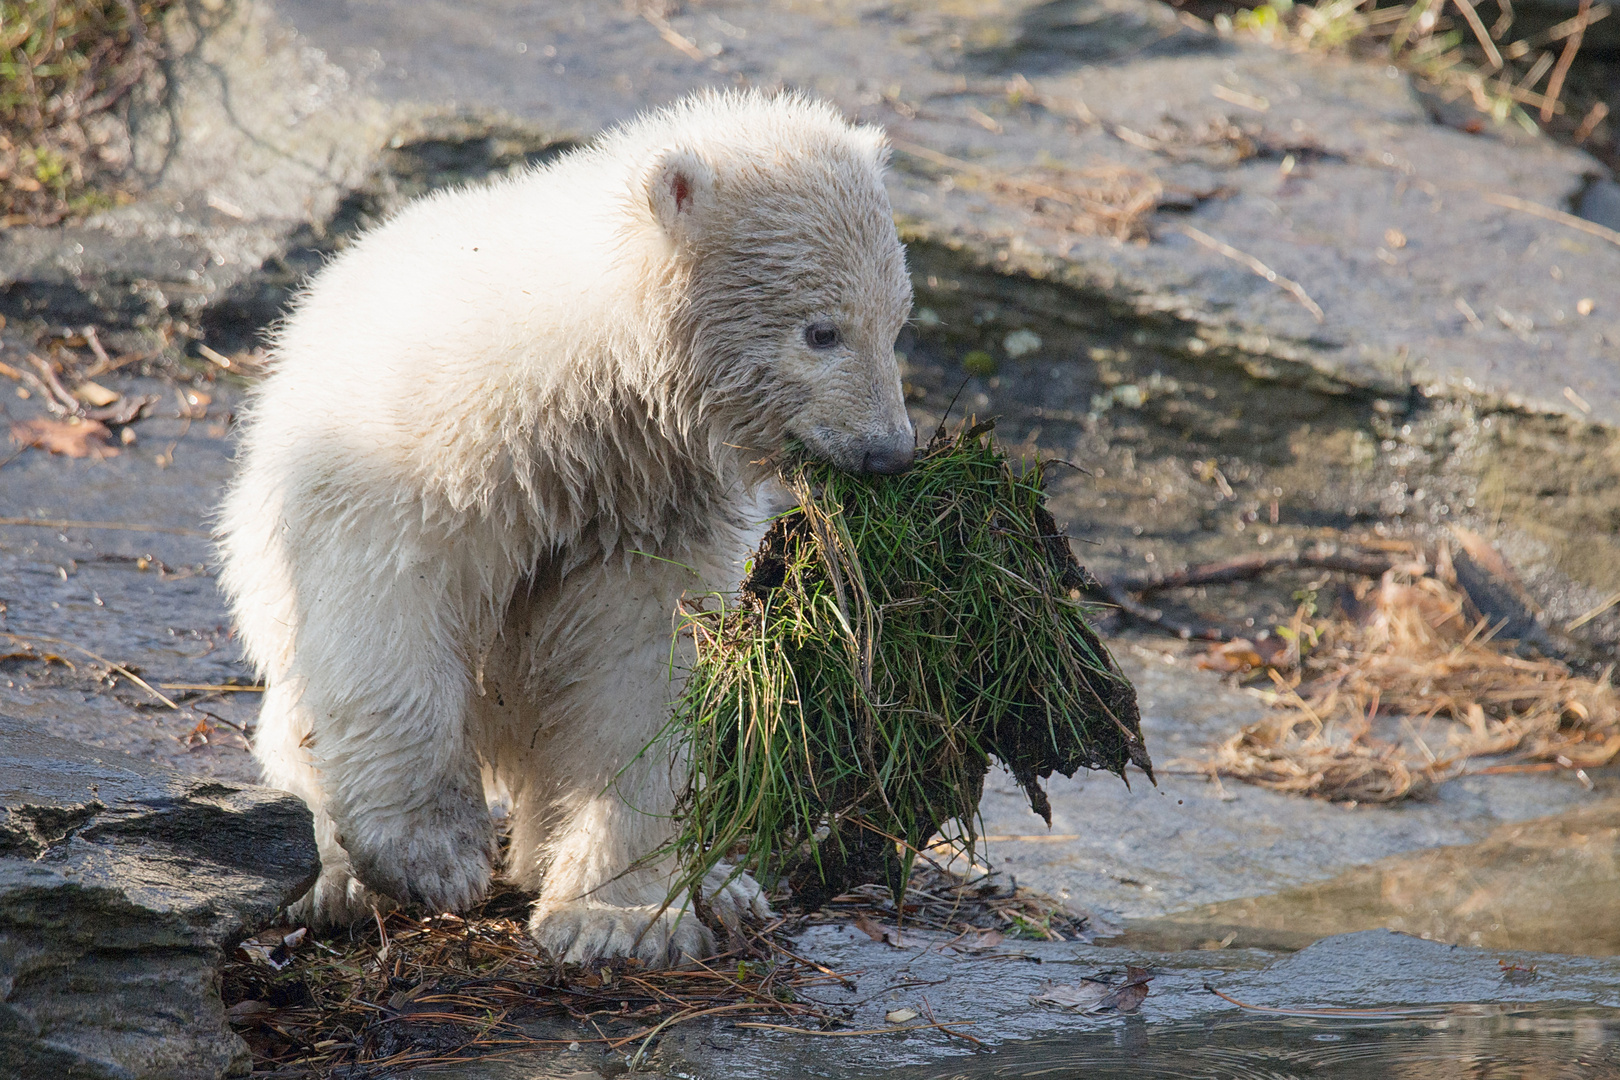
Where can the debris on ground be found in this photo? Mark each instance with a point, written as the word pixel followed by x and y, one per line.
pixel 1411 686
pixel 1487 57
pixel 74 437
pixel 411 991
pixel 1097 995
pixel 893 633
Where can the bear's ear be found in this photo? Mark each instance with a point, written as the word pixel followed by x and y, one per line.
pixel 680 188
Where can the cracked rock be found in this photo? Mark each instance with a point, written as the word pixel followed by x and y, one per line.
pixel 121 885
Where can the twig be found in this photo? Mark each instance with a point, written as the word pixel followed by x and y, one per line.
pixel 849 1034
pixel 1117 595
pixel 1245 567
pixel 1594 117
pixel 214 688
pixel 1368 1014
pixel 1555 85
pixel 1513 202
pixel 1581 620
pixel 124 671
pixel 673 36
pixel 1288 285
pixel 929 1009
pixel 70 404
pixel 125 526
pixel 1492 54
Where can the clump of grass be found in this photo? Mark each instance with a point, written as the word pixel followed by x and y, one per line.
pixel 63 65
pixel 894 633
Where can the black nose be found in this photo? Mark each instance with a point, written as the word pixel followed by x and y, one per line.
pixel 888 462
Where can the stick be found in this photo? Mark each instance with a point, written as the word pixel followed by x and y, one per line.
pixel 1512 202
pixel 121 669
pixel 1484 36
pixel 1555 85
pixel 1582 620
pixel 1288 285
pixel 1245 567
pixel 1117 595
pixel 848 1034
pixel 217 688
pixel 1367 1014
pixel 125 526
pixel 673 36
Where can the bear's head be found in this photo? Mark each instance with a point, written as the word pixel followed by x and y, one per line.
pixel 791 279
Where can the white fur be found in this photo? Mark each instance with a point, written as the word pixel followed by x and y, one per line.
pixel 501 437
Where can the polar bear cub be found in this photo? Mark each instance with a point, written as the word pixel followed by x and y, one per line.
pixel 502 436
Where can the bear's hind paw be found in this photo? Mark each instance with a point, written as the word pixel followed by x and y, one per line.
pixel 584 931
pixel 734 899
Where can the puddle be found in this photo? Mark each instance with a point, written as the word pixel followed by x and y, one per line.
pixel 1550 885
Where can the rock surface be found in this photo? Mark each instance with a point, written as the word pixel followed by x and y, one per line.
pixel 121 883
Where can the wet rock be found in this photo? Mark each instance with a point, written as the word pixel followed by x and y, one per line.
pixel 1327 171
pixel 120 885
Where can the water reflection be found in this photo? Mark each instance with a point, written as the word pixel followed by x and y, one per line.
pixel 1540 1045
pixel 1548 885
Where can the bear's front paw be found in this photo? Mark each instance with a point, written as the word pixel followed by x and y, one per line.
pixel 584 931
pixel 441 859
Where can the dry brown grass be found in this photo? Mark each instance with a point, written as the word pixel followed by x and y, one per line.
pixel 411 991
pixel 1464 50
pixel 1104 199
pixel 1412 693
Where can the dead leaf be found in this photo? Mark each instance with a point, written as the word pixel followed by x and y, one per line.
pixel 1095 995
pixel 900 1016
pixel 73 437
pixel 126 410
pixel 193 403
pixel 1237 655
pixel 96 395
pixel 983 941
pixel 244 1010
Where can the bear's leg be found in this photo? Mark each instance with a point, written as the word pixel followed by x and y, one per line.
pixel 593 791
pixel 382 665
pixel 280 745
pixel 603 895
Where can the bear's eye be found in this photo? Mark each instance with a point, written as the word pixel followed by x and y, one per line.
pixel 822 335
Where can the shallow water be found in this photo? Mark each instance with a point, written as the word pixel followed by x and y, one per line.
pixel 1551 884
pixel 1535 1045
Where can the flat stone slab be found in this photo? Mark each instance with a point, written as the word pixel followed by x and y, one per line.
pixel 1146 851
pixel 121 883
